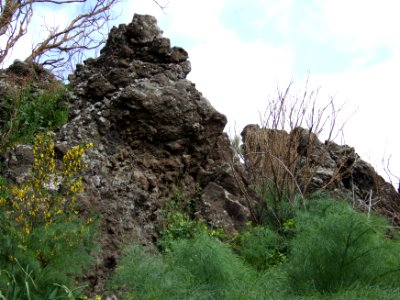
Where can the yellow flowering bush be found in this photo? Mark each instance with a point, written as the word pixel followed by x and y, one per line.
pixel 44 242
pixel 49 194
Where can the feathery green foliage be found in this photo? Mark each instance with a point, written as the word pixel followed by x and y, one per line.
pixel 326 251
pixel 197 268
pixel 261 247
pixel 212 264
pixel 141 275
pixel 275 214
pixel 336 247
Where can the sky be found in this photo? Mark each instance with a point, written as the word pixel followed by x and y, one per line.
pixel 242 52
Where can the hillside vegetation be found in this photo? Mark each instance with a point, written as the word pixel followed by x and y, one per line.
pixel 321 249
pixel 123 185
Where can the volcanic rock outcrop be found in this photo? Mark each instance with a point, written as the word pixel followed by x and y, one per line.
pixel 154 135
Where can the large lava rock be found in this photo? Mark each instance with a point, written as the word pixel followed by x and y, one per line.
pixel 154 134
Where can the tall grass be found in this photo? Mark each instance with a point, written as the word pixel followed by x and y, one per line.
pixel 142 275
pixel 260 247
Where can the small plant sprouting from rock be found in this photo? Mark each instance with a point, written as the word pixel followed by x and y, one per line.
pixel 179 224
pixel 23 113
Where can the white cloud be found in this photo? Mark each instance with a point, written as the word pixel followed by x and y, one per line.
pixel 199 19
pixel 363 23
pixel 238 77
pixel 195 19
pixel 127 8
pixel 373 129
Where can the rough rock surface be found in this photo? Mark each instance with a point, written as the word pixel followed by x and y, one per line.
pixel 153 133
pixel 337 169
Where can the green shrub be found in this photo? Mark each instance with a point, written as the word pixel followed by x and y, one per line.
pixel 261 247
pixel 336 247
pixel 142 275
pixel 334 253
pixel 365 293
pixel 213 266
pixel 41 262
pixel 197 268
pixel 44 242
pixel 178 222
pixel 23 113
pixel 276 214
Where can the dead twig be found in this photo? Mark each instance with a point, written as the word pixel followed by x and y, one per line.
pixel 62 47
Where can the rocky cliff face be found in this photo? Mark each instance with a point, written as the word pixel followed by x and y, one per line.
pixel 154 133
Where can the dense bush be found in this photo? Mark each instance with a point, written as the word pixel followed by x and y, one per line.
pixel 261 247
pixel 23 113
pixel 141 275
pixel 197 268
pixel 213 265
pixel 336 248
pixel 327 251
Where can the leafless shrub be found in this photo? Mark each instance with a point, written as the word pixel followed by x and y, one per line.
pixel 386 162
pixel 62 47
pixel 285 156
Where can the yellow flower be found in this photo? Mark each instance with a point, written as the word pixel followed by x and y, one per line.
pixel 98 297
pixel 26 229
pixel 33 201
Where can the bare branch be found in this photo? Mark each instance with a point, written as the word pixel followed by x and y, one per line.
pixel 63 47
pixel 284 156
pixel 161 6
pixel 14 20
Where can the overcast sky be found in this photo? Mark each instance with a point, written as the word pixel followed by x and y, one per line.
pixel 241 51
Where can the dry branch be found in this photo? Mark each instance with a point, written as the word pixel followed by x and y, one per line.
pixel 285 157
pixel 62 47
